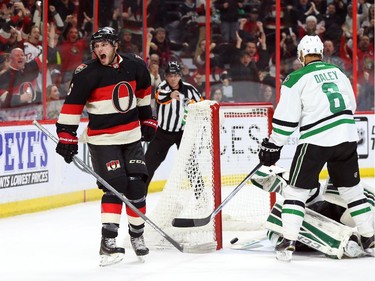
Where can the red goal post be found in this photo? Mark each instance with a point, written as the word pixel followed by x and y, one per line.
pixel 218 149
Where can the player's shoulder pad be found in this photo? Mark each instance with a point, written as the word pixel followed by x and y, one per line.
pixel 84 66
pixel 133 57
pixel 292 78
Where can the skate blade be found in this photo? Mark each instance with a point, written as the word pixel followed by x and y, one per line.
pixel 285 256
pixel 141 259
pixel 106 260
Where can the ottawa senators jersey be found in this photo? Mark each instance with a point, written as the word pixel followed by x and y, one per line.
pixel 116 97
pixel 14 83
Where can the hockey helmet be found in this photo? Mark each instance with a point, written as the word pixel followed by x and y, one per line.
pixel 309 45
pixel 173 68
pixel 108 34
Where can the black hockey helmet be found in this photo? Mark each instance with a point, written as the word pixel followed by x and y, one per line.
pixel 173 68
pixel 104 34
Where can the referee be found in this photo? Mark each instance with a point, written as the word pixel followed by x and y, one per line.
pixel 172 97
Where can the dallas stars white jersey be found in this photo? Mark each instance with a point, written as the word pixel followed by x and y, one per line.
pixel 318 99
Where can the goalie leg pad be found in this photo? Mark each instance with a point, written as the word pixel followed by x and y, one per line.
pixel 319 233
pixel 359 208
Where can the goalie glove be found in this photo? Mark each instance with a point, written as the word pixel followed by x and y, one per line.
pixel 271 179
pixel 269 153
pixel 148 129
pixel 67 146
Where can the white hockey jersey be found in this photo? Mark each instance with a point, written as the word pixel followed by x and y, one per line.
pixel 318 99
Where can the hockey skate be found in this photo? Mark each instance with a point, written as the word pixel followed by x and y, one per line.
pixel 353 248
pixel 139 247
pixel 368 244
pixel 109 252
pixel 284 250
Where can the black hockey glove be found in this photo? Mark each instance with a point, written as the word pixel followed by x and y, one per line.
pixel 148 129
pixel 269 153
pixel 67 146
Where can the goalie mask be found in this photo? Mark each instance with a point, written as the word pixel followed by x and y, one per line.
pixel 309 45
pixel 108 34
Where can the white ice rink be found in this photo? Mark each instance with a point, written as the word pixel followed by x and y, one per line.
pixel 63 245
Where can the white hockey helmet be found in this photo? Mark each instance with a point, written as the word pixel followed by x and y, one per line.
pixel 309 45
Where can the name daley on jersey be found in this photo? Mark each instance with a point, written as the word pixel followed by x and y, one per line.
pixel 326 76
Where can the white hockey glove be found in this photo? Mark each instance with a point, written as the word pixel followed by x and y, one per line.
pixel 271 178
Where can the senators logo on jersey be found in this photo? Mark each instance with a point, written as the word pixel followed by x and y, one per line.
pixel 80 68
pixel 113 165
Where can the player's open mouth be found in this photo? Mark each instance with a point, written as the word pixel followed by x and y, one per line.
pixel 103 56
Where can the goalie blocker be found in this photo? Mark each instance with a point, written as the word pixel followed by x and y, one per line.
pixel 327 225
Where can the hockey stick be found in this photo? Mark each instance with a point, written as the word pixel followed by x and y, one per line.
pixel 188 222
pixel 177 245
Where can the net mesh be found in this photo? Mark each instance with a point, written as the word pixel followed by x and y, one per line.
pixel 189 191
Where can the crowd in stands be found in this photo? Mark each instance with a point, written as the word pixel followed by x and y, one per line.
pixel 242 45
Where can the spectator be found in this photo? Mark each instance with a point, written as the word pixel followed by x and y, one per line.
pixel 200 59
pixel 303 9
pixel 267 94
pixel 332 24
pixel 365 54
pixel 311 27
pixel 17 83
pixel 366 94
pixel 367 26
pixel 288 45
pixel 360 17
pixel 217 95
pixel 4 62
pixel 257 49
pixel 72 51
pixel 126 43
pixel 243 57
pixel 33 47
pixel 64 8
pixel 12 39
pixel 243 72
pixel 161 45
pixel 187 26
pixel 129 15
pixel 341 9
pixel 54 103
pixel 183 28
pixel 229 17
pixel 250 25
pixel 18 21
pixel 156 79
pixel 265 78
pixel 267 14
pixel 227 86
pixel 320 6
pixel 330 54
pixel 56 78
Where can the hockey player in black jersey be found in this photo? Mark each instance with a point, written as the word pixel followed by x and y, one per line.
pixel 116 92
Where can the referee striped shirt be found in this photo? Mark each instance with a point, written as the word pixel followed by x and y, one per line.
pixel 171 111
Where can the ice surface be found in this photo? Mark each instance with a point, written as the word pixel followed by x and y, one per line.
pixel 63 244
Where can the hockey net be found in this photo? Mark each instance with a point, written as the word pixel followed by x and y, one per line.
pixel 218 150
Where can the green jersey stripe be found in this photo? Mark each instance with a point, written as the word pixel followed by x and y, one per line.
pixel 327 127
